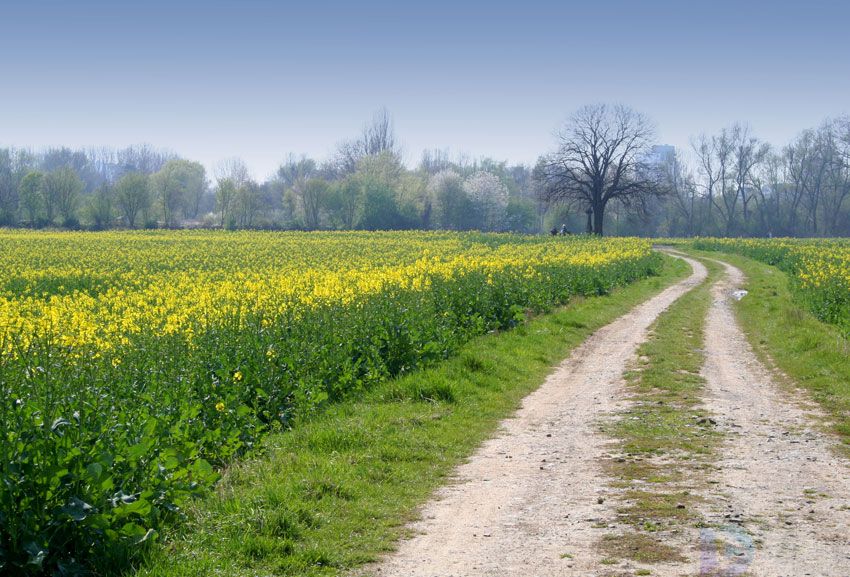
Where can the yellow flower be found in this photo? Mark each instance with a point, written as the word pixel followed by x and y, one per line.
pixel 219 406
pixel 237 376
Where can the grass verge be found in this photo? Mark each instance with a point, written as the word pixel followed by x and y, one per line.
pixel 665 439
pixel 337 492
pixel 813 354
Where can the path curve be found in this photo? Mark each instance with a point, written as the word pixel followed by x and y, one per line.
pixel 783 498
pixel 533 492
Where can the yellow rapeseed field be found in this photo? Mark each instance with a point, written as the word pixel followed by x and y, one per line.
pixel 133 364
pixel 100 289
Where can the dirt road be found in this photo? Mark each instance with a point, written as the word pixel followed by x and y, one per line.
pixel 783 495
pixel 531 494
pixel 534 500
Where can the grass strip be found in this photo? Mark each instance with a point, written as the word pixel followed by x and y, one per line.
pixel 786 336
pixel 337 492
pixel 665 438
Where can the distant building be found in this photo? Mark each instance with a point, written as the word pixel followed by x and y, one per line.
pixel 660 154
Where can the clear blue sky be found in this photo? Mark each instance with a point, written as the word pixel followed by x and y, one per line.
pixel 259 79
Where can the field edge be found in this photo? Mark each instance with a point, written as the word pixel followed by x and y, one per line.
pixel 337 492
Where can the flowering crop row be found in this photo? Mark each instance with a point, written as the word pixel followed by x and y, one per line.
pixel 134 365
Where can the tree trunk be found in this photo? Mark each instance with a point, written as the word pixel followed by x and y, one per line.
pixel 598 216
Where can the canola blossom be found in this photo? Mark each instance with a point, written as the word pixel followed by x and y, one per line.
pixel 78 308
pixel 819 270
pixel 134 364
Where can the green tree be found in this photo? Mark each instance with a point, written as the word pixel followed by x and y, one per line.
pixel 247 203
pixel 101 209
pixel 132 196
pixel 225 197
pixel 345 202
pixel 381 169
pixel 520 216
pixel 31 192
pixel 381 210
pixel 8 189
pixel 178 187
pixel 454 209
pixel 62 193
pixel 313 195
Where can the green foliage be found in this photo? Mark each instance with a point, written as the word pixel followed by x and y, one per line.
pixel 62 189
pixel 520 216
pixel 100 449
pixel 8 193
pixel 31 192
pixel 178 187
pixel 381 210
pixel 133 197
pixel 225 197
pixel 335 492
pixel 100 207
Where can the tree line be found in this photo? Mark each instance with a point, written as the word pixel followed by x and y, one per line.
pixel 726 184
pixel 606 173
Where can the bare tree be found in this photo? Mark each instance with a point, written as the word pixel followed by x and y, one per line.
pixel 768 186
pixel 812 170
pixel 726 199
pixel 726 163
pixel 142 158
pixel 378 137
pixel 231 176
pixel 226 192
pixel 749 153
pixel 706 152
pixel 682 192
pixel 234 169
pixel 797 157
pixel 601 157
pixel 836 144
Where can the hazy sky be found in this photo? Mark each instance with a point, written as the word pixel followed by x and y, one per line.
pixel 259 79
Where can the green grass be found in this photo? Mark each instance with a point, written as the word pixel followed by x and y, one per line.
pixel 665 436
pixel 813 354
pixel 668 381
pixel 336 492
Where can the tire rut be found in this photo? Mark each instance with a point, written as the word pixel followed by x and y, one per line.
pixel 782 501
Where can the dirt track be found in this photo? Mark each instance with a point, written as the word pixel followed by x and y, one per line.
pixel 783 493
pixel 535 492
pixel 531 494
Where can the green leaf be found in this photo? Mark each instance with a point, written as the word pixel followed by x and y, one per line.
pixel 57 425
pixel 35 554
pixel 133 532
pixel 94 471
pixel 77 509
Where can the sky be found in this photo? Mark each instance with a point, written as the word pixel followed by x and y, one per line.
pixel 259 79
